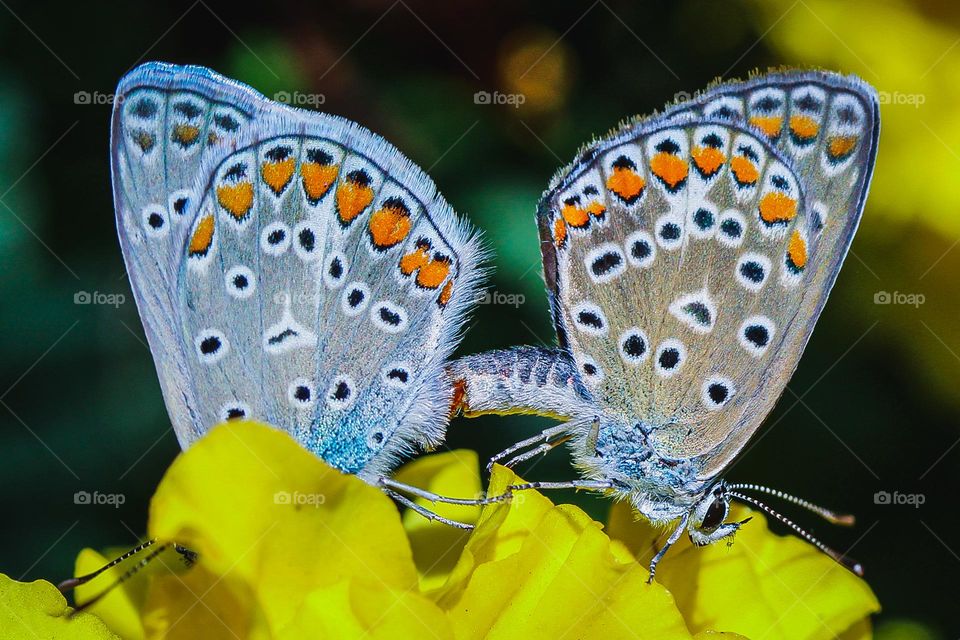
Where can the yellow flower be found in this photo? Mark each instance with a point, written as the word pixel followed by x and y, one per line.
pixel 37 610
pixel 289 548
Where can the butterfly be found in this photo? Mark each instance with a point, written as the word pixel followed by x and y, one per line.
pixel 290 267
pixel 687 257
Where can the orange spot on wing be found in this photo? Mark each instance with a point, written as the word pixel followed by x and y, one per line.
pixel 797 251
pixel 445 294
pixel 389 225
pixel 626 183
pixel 559 232
pixel 237 199
pixel 840 146
pixel 777 207
pixel 770 125
pixel 202 237
pixel 414 260
pixel 432 274
pixel 317 179
pixel 669 168
pixel 277 174
pixel 596 209
pixel 352 199
pixel 804 127
pixel 185 134
pixel 744 170
pixel 708 160
pixel 575 216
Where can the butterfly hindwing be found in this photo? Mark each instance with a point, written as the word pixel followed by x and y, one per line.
pixel 319 285
pixel 166 123
pixel 688 255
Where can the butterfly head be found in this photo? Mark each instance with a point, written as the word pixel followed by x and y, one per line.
pixel 708 516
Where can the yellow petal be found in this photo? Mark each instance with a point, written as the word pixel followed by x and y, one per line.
pixel 120 608
pixel 785 588
pixel 535 570
pixel 273 523
pixel 437 546
pixel 38 610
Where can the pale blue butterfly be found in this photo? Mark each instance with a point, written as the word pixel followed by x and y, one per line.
pixel 687 258
pixel 291 267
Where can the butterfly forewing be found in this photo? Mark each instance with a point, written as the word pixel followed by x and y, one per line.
pixel 319 285
pixel 689 255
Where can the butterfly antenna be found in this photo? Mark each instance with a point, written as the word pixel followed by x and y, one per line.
pixel 132 571
pixel 840 558
pixel 843 519
pixel 73 583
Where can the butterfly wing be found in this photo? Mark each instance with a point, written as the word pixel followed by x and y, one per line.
pixel 688 256
pixel 167 121
pixel 319 286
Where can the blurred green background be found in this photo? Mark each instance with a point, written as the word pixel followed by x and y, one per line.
pixel 874 406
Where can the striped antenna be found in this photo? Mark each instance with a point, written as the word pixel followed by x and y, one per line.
pixel 840 558
pixel 832 517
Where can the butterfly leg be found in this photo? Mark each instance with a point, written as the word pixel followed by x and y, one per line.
pixel 591 485
pixel 669 543
pixel 426 513
pixel 543 449
pixel 504 457
pixel 393 485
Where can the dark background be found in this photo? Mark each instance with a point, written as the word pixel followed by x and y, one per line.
pixel 874 405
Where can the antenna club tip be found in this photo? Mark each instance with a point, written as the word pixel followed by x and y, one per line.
pixel 857 568
pixel 846 520
pixel 68 584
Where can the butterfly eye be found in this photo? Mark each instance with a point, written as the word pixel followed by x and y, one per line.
pixel 716 514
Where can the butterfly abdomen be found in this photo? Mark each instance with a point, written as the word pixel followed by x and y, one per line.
pixel 519 380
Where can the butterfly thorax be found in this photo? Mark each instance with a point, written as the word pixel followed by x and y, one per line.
pixel 660 487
